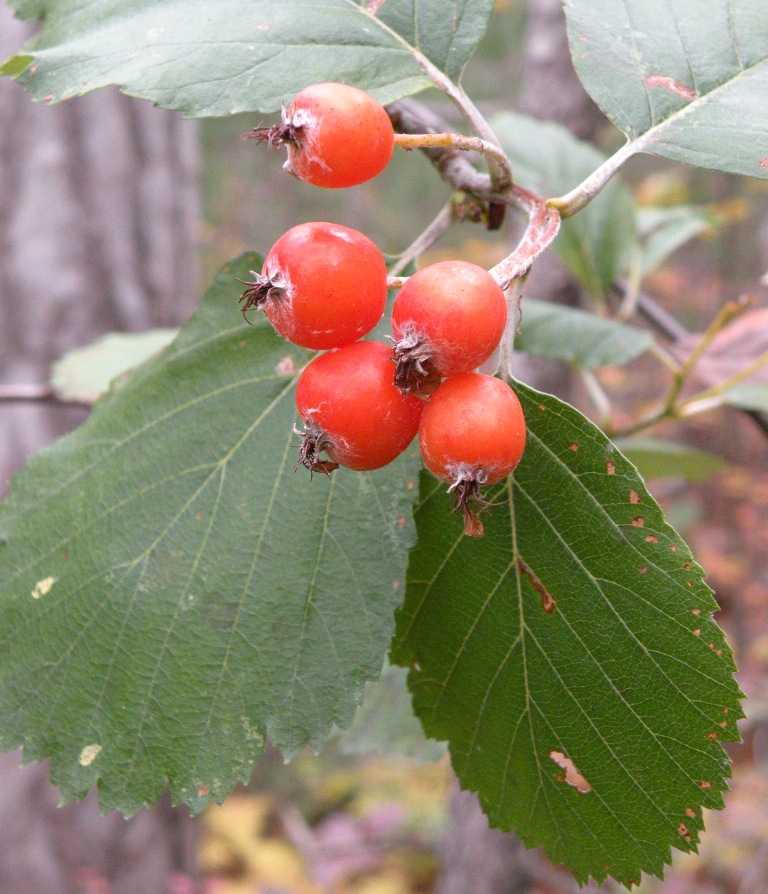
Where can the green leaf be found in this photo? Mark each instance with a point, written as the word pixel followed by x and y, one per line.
pixel 748 397
pixel 563 333
pixel 664 230
pixel 84 374
pixel 171 593
pixel 595 244
pixel 579 628
pixel 245 55
pixel 686 80
pixel 655 458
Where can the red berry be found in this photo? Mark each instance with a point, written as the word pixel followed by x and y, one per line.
pixel 336 136
pixel 447 319
pixel 472 433
pixel 352 411
pixel 322 285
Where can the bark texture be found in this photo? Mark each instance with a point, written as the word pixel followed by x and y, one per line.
pixel 99 209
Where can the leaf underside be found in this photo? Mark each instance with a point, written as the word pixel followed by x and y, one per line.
pixel 243 55
pixel 578 629
pixel 575 336
pixel 685 79
pixel 171 593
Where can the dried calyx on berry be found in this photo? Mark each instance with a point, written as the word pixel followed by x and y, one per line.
pixel 261 289
pixel 314 442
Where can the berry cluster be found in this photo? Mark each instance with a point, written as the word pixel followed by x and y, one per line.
pixel 324 286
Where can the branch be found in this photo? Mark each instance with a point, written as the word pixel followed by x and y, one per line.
pixel 672 329
pixel 36 394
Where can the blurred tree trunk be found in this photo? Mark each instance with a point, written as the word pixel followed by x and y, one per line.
pixel 99 208
pixel 474 857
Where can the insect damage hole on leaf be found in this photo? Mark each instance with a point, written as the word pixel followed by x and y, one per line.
pixel 571 774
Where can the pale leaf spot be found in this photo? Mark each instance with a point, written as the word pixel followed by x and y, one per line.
pixel 285 366
pixel 690 812
pixel 89 754
pixel 572 775
pixel 633 497
pixel 697 632
pixel 43 587
pixel 705 785
pixel 642 570
pixel 696 612
pixel 611 467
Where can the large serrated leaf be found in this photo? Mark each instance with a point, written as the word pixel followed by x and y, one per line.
pixel 595 244
pixel 569 657
pixel 171 593
pixel 684 79
pixel 244 55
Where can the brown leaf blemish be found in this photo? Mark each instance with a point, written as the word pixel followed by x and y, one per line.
pixel 571 775
pixel 705 785
pixel 642 570
pixel 638 522
pixel 401 522
pixel 690 812
pixel 573 446
pixel 633 497
pixel 689 583
pixel 682 829
pixel 697 632
pixel 665 83
pixel 686 565
pixel 674 548
pixel 411 485
pixel 764 162
pixel 696 612
pixel 611 467
pixel 712 736
pixel 547 599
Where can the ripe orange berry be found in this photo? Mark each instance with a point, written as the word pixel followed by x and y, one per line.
pixel 352 411
pixel 472 433
pixel 447 319
pixel 322 285
pixel 336 135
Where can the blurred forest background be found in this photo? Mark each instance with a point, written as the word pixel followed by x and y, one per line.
pixel 372 824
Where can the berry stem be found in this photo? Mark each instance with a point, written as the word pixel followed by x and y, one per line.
pixel 543 226
pixel 434 230
pixel 450 140
pixel 577 198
